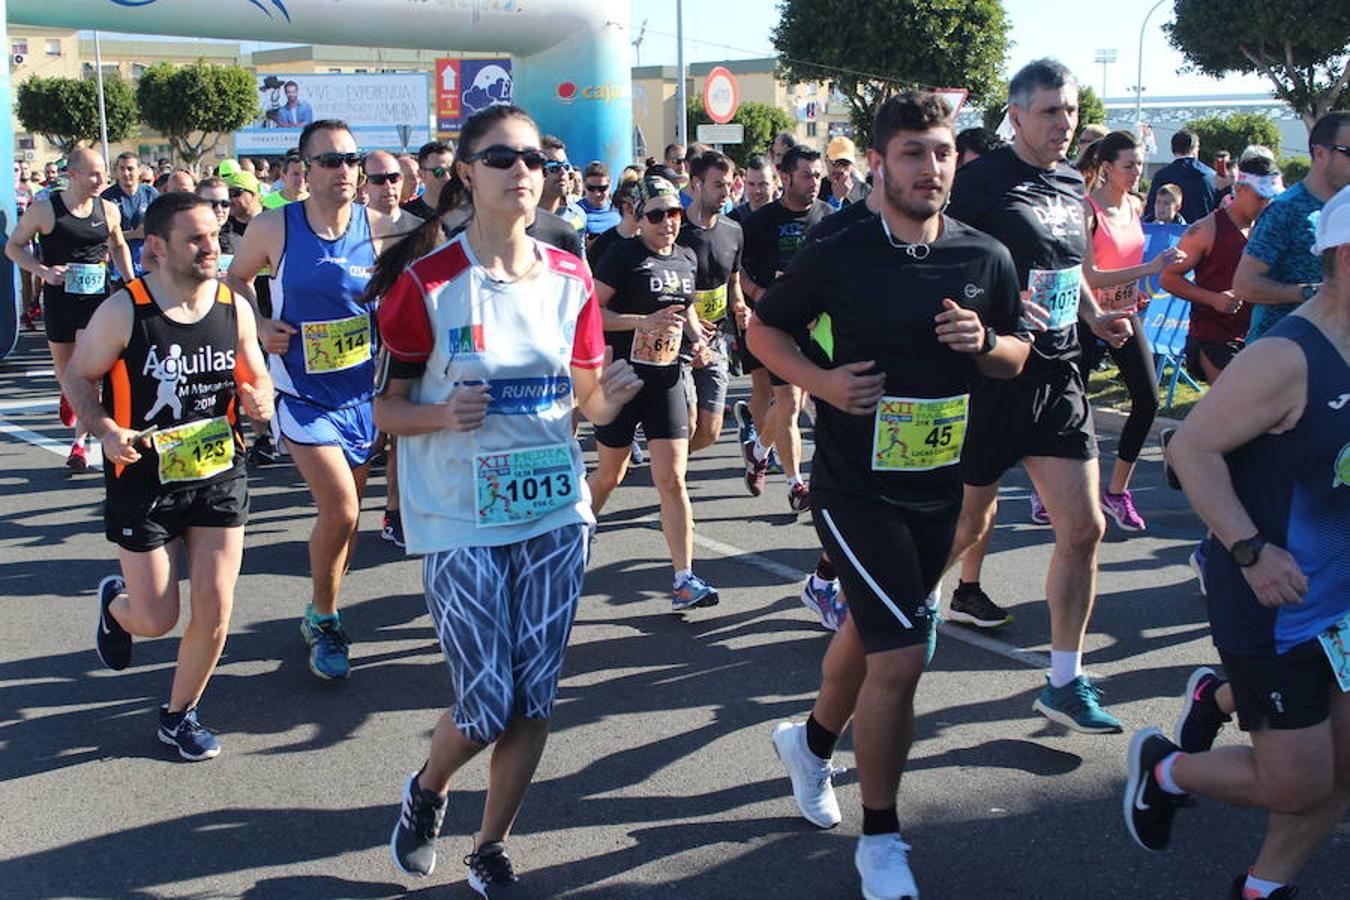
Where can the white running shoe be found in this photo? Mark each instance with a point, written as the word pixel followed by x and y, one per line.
pixel 883 863
pixel 811 776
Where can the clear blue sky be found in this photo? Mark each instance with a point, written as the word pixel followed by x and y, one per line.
pixel 1070 31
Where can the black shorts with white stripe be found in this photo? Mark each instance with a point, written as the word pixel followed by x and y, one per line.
pixel 888 561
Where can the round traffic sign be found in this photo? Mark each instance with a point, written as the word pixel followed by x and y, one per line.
pixel 721 96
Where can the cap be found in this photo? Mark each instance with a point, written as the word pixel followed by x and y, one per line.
pixel 243 180
pixel 1333 225
pixel 841 147
pixel 227 167
pixel 653 187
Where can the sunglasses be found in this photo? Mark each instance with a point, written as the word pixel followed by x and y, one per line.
pixel 597 188
pixel 501 157
pixel 219 204
pixel 237 192
pixel 437 171
pixel 657 216
pixel 1339 148
pixel 553 167
pixel 337 160
pixel 385 177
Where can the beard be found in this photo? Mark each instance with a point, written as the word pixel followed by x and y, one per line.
pixel 920 210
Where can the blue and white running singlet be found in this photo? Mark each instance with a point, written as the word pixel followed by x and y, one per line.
pixel 317 290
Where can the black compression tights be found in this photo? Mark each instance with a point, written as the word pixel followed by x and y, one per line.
pixel 1134 359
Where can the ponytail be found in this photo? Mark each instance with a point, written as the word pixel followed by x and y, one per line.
pixel 1103 150
pixel 428 236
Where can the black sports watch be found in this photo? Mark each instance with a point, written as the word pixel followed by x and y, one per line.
pixel 1246 552
pixel 1307 290
pixel 990 341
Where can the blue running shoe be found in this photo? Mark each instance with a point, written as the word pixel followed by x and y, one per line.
pixel 193 741
pixel 774 466
pixel 745 425
pixel 328 647
pixel 694 592
pixel 823 601
pixel 1076 706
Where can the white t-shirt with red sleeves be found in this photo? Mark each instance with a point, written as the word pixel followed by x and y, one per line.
pixel 520 474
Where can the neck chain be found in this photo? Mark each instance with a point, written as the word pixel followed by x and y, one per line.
pixel 916 251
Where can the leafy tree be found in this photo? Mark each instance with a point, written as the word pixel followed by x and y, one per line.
pixel 1295 168
pixel 65 110
pixel 198 105
pixel 762 121
pixel 1091 110
pixel 872 50
pixel 1234 132
pixel 1300 45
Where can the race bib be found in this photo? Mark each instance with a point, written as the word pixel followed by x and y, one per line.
pixel 1336 644
pixel 914 435
pixel 1119 297
pixel 336 345
pixel 656 346
pixel 1058 290
pixel 519 485
pixel 194 451
pixel 711 305
pixel 86 279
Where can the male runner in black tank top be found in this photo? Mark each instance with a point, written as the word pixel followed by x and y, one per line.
pixel 78 228
pixel 176 354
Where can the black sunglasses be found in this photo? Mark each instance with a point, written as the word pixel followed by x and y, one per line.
pixel 437 171
pixel 385 177
pixel 1339 148
pixel 501 157
pixel 597 188
pixel 337 160
pixel 657 216
pixel 219 204
pixel 237 192
pixel 553 166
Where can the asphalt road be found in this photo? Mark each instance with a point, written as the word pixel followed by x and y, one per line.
pixel 659 779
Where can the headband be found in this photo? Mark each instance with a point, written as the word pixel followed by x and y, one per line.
pixel 1266 185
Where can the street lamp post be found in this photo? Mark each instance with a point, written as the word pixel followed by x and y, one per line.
pixel 681 101
pixel 1105 58
pixel 1139 79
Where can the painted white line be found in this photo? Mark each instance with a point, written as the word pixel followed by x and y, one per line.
pixel 41 441
pixel 1032 659
pixel 29 406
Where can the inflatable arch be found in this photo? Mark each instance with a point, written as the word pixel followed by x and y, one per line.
pixel 571 58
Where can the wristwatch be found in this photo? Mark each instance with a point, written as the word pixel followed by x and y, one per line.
pixel 990 341
pixel 1307 290
pixel 1246 552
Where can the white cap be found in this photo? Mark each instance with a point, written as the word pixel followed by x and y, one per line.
pixel 1333 225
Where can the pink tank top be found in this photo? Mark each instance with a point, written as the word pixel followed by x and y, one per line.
pixel 1118 246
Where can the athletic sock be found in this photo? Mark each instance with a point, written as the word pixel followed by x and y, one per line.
pixel 1065 666
pixel 881 821
pixel 819 739
pixel 1258 887
pixel 825 569
pixel 963 586
pixel 682 576
pixel 316 619
pixel 761 452
pixel 793 481
pixel 1163 773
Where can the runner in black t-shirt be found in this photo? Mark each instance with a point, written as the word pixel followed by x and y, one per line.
pixel 625 201
pixel 716 242
pixel 645 288
pixel 908 306
pixel 772 237
pixel 1027 197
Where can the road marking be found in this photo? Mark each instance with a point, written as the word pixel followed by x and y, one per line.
pixel 29 406
pixel 41 441
pixel 1029 658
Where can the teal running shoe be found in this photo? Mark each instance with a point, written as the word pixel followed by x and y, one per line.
pixel 328 647
pixel 1077 706
pixel 693 593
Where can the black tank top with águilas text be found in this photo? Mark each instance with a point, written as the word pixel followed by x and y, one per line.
pixel 179 379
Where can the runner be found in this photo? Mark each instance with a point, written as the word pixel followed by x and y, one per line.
pixel 79 230
pixel 601 215
pixel 759 189
pixel 645 288
pixel 1027 197
pixel 554 198
pixel 716 243
pixel 1276 272
pixel 625 201
pixel 435 160
pixel 460 428
pixel 1113 263
pixel 1265 461
pixel 132 199
pixel 772 237
pixel 892 403
pixel 322 251
pixel 293 187
pixel 177 356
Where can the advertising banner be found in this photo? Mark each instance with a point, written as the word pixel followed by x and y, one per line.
pixel 380 108
pixel 467 86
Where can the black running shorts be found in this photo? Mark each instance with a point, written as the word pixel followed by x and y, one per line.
pixel 661 407
pixel 64 314
pixel 1284 692
pixel 1042 412
pixel 888 561
pixel 141 522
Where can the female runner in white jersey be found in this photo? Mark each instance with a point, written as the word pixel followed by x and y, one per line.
pixel 490 341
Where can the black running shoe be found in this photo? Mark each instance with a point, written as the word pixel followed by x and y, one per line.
pixel 972 606
pixel 262 453
pixel 413 843
pixel 110 639
pixel 1147 807
pixel 1201 718
pixel 490 872
pixel 1288 892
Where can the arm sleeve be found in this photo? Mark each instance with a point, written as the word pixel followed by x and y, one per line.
pixel 795 300
pixel 588 343
pixel 405 327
